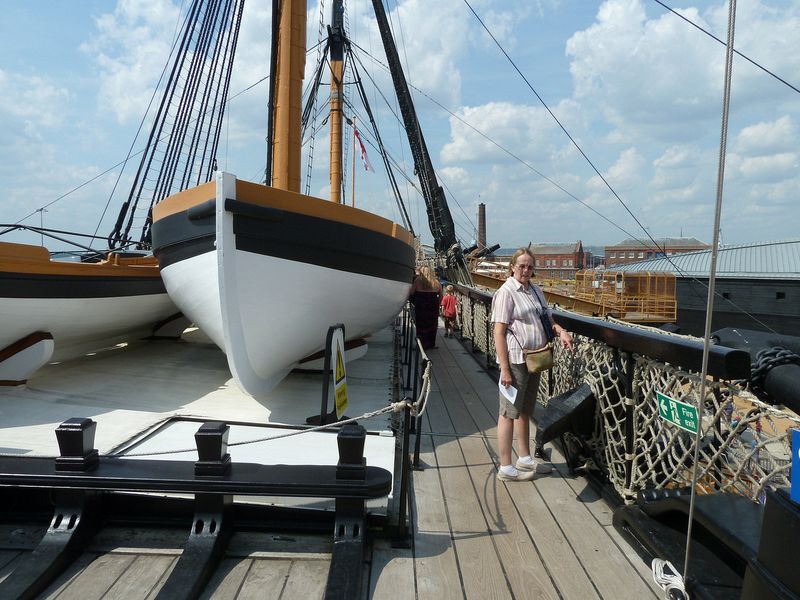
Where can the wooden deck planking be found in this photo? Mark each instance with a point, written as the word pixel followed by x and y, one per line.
pixel 143 576
pixel 306 580
pixel 484 387
pixel 527 575
pixel 435 563
pixel 391 572
pixel 265 579
pixel 603 513
pixel 96 578
pixel 227 579
pixel 564 522
pixel 483 574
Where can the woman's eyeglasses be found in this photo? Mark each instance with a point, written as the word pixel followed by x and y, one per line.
pixel 524 267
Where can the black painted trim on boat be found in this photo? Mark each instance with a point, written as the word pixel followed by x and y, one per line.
pixel 291 236
pixel 28 285
pixel 184 235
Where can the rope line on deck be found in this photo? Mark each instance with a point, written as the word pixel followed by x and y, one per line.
pixel 406 402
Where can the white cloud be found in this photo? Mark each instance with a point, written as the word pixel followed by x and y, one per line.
pixel 779 134
pixel 770 168
pixel 507 125
pixel 130 49
pixel 431 38
pixel 31 99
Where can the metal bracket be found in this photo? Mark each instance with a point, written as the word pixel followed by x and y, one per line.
pixel 347 559
pixel 75 521
pixel 208 539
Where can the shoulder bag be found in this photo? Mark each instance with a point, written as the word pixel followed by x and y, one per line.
pixel 537 360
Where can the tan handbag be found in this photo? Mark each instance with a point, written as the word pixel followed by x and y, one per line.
pixel 538 360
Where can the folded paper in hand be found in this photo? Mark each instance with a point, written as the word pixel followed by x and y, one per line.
pixel 509 393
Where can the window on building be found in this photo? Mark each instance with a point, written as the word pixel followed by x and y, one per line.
pixel 641 254
pixel 631 254
pixel 537 262
pixel 570 262
pixel 563 262
pixel 649 255
pixel 611 255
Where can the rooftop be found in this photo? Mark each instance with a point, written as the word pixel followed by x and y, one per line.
pixel 662 242
pixel 764 260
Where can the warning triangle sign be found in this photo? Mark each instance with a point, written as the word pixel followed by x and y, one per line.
pixel 340 372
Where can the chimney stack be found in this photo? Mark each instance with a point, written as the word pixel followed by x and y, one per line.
pixel 481 226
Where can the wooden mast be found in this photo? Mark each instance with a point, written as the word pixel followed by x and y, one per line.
pixel 286 143
pixel 337 75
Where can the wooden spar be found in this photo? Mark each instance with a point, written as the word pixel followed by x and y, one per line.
pixel 288 96
pixel 337 75
pixel 336 130
pixel 353 178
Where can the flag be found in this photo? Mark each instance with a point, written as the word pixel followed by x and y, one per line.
pixel 364 157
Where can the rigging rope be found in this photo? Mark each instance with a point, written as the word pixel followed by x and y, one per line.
pixel 712 36
pixel 726 101
pixel 314 96
pixel 655 246
pixel 189 118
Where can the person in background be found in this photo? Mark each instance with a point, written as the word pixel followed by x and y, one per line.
pixel 516 310
pixel 425 293
pixel 449 306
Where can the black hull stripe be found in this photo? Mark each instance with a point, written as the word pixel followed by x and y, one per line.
pixel 25 285
pixel 289 236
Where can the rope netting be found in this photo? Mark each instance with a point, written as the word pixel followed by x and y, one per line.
pixel 745 443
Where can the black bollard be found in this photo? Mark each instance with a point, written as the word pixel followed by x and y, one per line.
pixel 76 444
pixel 352 465
pixel 212 450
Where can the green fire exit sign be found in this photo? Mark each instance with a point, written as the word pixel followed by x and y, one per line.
pixel 678 413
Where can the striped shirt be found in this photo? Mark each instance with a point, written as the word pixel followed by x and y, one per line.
pixel 519 308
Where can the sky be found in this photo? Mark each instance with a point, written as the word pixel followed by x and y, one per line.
pixel 638 89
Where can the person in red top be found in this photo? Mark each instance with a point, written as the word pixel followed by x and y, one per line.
pixel 449 311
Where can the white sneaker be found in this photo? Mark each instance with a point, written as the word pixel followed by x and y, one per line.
pixel 516 475
pixel 541 468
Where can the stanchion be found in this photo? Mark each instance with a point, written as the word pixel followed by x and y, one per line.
pixel 418 419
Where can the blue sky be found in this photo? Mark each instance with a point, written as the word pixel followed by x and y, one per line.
pixel 638 88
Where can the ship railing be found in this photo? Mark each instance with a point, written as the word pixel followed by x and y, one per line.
pixel 745 443
pixel 415 375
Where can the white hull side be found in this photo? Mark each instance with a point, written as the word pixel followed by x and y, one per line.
pixel 79 325
pixel 276 317
pixel 267 313
pixel 192 284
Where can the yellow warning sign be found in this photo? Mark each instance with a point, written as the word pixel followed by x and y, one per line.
pixel 341 400
pixel 340 374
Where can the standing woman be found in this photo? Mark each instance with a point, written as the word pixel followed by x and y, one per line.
pixel 516 310
pixel 425 294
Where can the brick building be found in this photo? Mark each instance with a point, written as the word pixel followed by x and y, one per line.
pixel 552 261
pixel 631 251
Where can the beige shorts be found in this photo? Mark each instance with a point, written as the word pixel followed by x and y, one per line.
pixel 527 385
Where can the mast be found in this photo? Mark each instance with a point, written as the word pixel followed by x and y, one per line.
pixel 291 64
pixel 439 218
pixel 336 37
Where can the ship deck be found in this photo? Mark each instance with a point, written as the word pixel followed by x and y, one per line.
pixel 472 536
